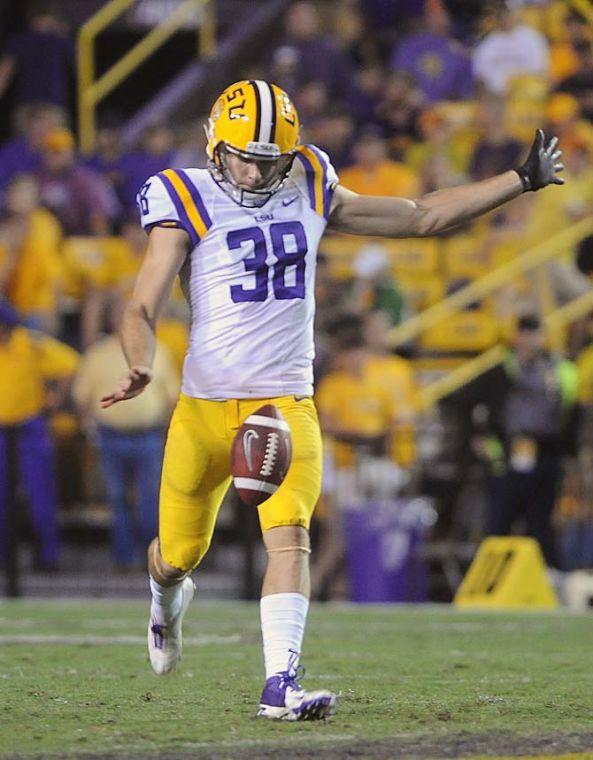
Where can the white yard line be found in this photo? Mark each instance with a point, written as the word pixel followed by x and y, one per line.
pixel 81 640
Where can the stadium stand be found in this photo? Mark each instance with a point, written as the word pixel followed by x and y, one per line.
pixel 403 105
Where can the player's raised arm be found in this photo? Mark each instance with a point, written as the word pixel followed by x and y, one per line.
pixel 443 209
pixel 166 252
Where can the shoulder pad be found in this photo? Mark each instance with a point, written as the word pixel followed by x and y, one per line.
pixel 319 175
pixel 172 198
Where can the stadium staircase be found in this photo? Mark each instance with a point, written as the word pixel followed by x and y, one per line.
pixel 227 32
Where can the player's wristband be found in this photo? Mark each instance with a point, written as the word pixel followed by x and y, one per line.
pixel 525 178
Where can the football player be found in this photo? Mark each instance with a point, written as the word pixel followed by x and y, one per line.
pixel 243 235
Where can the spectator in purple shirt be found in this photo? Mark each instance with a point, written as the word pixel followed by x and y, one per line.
pixel 353 36
pixel 580 84
pixel 79 197
pixel 107 155
pixel 312 101
pixel 155 154
pixel 306 54
pixel 438 63
pixel 496 151
pixel 22 153
pixel 390 13
pixel 398 112
pixel 366 94
pixel 41 59
pixel 387 19
pixel 333 133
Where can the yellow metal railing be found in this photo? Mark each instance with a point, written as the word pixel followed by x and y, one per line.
pixel 584 7
pixel 554 319
pixel 472 368
pixel 458 377
pixel 547 307
pixel 91 91
pixel 478 289
pixel 566 314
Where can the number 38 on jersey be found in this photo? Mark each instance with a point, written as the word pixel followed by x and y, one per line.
pixel 249 274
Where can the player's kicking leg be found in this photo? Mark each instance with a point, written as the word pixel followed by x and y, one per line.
pixel 284 607
pixel 172 591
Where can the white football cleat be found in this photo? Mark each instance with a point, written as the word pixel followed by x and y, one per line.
pixel 283 698
pixel 165 640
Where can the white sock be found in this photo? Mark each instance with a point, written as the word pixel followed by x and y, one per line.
pixel 283 618
pixel 166 600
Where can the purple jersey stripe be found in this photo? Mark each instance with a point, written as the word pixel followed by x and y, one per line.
pixel 327 191
pixel 184 218
pixel 310 172
pixel 195 194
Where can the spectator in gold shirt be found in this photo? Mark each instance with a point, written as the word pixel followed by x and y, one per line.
pixel 130 439
pixel 35 372
pixel 374 173
pixel 358 415
pixel 396 376
pixel 31 268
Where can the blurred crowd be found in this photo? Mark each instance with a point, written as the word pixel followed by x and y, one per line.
pixel 406 96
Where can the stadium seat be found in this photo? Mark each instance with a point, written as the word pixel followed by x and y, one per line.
pixel 414 256
pixel 421 290
pixel 466 332
pixel 467 255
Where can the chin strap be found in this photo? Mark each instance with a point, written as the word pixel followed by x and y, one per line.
pixel 291 549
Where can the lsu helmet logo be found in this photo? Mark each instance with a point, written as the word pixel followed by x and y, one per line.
pixel 287 109
pixel 257 121
pixel 217 109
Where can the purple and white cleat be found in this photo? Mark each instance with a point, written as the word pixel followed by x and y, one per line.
pixel 283 698
pixel 165 640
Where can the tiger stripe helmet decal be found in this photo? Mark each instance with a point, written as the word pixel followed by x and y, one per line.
pixel 255 117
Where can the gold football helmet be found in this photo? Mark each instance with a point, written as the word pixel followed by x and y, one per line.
pixel 257 121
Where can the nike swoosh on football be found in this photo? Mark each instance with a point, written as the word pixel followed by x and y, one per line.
pixel 292 200
pixel 248 437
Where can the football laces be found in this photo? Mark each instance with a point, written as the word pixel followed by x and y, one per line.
pixel 270 456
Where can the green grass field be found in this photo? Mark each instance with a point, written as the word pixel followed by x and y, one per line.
pixel 418 682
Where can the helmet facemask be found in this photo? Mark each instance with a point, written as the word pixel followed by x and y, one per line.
pixel 273 167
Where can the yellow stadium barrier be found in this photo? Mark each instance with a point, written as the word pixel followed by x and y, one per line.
pixel 507 573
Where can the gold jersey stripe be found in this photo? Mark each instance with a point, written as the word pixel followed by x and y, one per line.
pixel 189 205
pixel 317 166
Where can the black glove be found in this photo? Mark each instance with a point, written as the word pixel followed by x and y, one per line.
pixel 541 167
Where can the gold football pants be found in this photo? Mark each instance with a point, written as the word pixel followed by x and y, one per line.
pixel 196 472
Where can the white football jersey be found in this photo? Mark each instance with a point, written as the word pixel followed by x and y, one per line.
pixel 249 278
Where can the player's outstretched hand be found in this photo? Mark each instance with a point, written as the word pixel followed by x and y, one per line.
pixel 130 385
pixel 542 165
